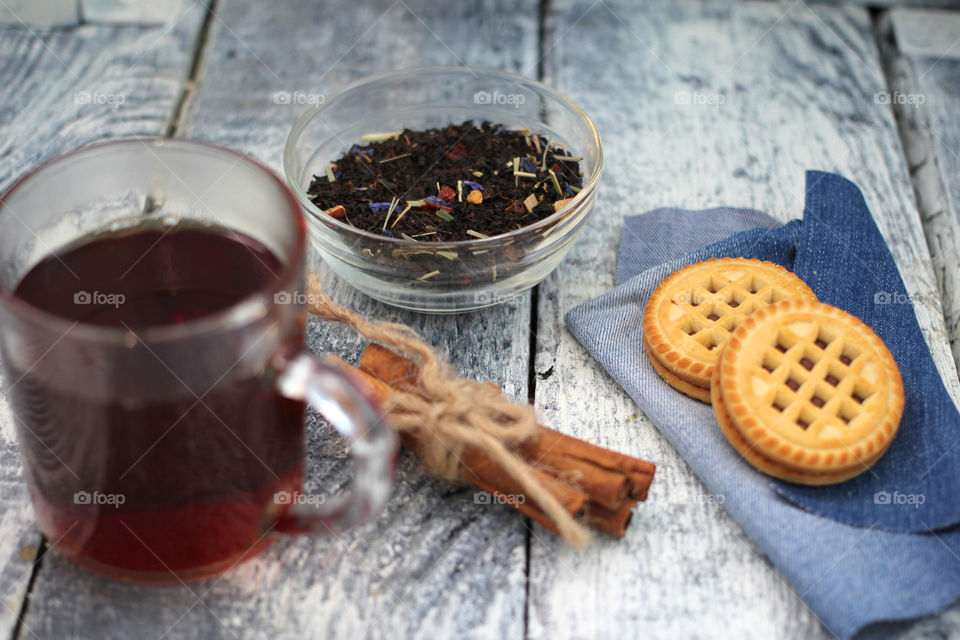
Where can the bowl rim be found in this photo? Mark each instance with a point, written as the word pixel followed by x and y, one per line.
pixel 314 212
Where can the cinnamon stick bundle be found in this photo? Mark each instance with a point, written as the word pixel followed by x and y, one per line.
pixel 591 483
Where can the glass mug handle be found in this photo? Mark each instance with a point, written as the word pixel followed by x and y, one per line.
pixel 372 443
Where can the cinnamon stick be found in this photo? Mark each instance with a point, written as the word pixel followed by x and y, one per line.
pixel 479 469
pixel 552 448
pixel 391 368
pixel 556 449
pixel 583 464
pixel 612 521
pixel 585 478
pixel 487 476
pixel 604 487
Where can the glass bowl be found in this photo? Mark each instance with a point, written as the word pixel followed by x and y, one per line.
pixel 441 277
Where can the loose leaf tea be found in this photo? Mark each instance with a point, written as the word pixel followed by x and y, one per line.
pixel 460 182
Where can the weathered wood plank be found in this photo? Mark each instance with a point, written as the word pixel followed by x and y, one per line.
pixel 945 4
pixel 130 11
pixel 698 105
pixel 922 57
pixel 40 13
pixel 927 34
pixel 63 89
pixel 434 564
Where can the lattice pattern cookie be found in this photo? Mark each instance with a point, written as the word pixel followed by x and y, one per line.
pixel 756 459
pixel 693 312
pixel 807 392
pixel 679 384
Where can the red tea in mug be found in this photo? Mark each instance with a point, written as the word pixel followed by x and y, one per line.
pixel 180 485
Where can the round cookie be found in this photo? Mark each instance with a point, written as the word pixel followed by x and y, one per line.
pixel 753 457
pixel 681 385
pixel 810 388
pixel 693 312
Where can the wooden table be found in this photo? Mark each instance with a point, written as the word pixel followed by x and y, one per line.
pixel 698 104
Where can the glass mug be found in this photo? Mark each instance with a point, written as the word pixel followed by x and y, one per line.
pixel 173 451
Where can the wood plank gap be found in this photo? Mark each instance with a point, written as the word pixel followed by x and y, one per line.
pixel 532 372
pixel 541 71
pixel 542 38
pixel 526 571
pixel 531 398
pixel 34 571
pixel 190 82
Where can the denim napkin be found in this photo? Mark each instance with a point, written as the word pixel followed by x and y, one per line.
pixel 876 557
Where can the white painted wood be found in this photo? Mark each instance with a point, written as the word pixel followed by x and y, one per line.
pixel 946 4
pixel 132 80
pixel 66 88
pixel 924 67
pixel 698 105
pixel 434 564
pixel 40 13
pixel 927 34
pixel 131 11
